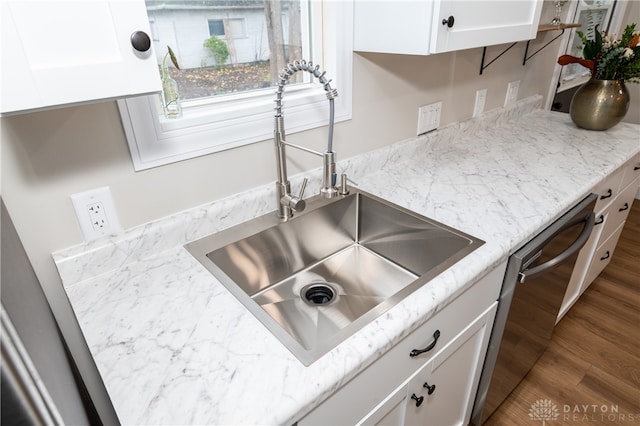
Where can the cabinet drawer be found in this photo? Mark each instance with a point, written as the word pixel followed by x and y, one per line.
pixel 365 391
pixel 631 171
pixel 452 378
pixel 618 211
pixel 602 257
pixel 607 190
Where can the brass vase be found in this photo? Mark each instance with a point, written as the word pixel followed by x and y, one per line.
pixel 599 104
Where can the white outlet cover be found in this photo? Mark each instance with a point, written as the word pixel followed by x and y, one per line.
pixel 429 117
pixel 96 213
pixel 481 98
pixel 512 93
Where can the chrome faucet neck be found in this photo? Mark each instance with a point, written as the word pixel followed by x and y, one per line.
pixel 288 203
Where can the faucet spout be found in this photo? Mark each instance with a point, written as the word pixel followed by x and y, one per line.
pixel 286 202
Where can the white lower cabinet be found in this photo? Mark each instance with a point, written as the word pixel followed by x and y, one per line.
pixel 451 348
pixel 442 392
pixel 615 197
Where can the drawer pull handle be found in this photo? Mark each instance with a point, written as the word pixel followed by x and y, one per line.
pixel 636 168
pixel 623 208
pixel 416 352
pixel 600 220
pixel 606 255
pixel 417 399
pixel 430 389
pixel 607 195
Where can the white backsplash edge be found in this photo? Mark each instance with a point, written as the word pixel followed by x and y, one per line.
pixel 78 263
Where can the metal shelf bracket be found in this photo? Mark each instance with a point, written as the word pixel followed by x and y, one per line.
pixel 484 54
pixel 541 28
pixel 526 50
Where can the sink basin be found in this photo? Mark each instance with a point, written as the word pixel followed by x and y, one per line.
pixel 318 278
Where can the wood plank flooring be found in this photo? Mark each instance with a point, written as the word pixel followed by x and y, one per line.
pixel 590 372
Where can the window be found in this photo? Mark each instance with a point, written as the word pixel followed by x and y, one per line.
pixel 216 27
pixel 222 114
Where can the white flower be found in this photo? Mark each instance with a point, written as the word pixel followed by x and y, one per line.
pixel 628 52
pixel 608 40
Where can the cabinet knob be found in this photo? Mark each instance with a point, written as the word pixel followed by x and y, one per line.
pixel 430 389
pixel 140 41
pixel 417 399
pixel 449 21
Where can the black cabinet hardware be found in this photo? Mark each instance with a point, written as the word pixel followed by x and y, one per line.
pixel 623 208
pixel 607 195
pixel 140 41
pixel 449 21
pixel 416 352
pixel 600 220
pixel 429 389
pixel 606 255
pixel 417 399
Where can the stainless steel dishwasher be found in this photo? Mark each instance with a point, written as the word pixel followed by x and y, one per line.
pixel 534 285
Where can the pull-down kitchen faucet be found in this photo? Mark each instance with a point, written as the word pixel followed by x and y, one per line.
pixel 287 202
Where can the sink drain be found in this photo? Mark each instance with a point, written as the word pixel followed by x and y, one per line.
pixel 318 294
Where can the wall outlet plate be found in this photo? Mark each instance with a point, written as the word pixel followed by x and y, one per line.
pixel 429 117
pixel 512 93
pixel 481 98
pixel 96 213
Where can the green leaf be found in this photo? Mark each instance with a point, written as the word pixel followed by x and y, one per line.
pixel 173 57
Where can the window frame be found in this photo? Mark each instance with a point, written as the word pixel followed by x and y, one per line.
pixel 218 124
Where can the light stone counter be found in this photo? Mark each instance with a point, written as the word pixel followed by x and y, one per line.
pixel 175 347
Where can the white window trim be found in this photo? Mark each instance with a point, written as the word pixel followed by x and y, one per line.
pixel 155 141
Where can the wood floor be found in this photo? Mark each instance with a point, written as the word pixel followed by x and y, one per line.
pixel 590 372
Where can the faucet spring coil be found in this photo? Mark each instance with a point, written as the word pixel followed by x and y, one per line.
pixel 292 68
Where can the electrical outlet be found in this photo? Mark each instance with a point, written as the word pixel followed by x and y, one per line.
pixel 481 97
pixel 512 93
pixel 429 117
pixel 96 213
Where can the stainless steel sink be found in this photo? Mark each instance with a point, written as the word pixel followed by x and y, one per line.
pixel 316 279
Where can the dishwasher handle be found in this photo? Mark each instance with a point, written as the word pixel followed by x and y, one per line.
pixel 573 248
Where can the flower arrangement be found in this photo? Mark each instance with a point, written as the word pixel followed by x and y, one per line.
pixel 609 58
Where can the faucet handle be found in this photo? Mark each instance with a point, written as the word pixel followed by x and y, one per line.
pixel 297 203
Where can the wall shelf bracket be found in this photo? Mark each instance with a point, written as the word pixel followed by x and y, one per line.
pixel 541 28
pixel 526 50
pixel 484 54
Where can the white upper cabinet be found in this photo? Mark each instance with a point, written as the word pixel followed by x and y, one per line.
pixel 421 27
pixel 58 53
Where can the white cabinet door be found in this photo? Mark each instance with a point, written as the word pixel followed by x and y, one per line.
pixel 464 24
pixel 65 52
pixel 402 26
pixel 449 385
pixel 421 27
pixel 389 412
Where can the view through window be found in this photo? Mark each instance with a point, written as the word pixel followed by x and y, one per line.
pixel 228 46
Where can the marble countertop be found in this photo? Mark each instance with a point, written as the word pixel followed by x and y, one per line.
pixel 175 347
